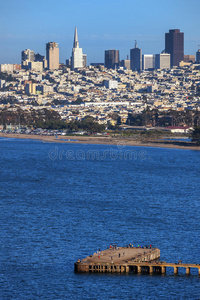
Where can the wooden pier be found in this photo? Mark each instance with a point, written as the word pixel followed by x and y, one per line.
pixel 129 260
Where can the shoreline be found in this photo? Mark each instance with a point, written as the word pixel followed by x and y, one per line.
pixel 121 142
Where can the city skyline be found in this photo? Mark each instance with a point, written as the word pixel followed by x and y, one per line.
pixel 102 25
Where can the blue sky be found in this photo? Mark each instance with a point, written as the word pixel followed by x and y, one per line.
pixel 102 24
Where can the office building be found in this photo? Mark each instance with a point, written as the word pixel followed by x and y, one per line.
pixel 125 63
pixel 198 56
pixel 44 89
pixel 136 58
pixel 174 45
pixel 32 61
pixel 148 62
pixel 68 62
pixel 111 59
pixel 84 60
pixel 41 58
pixel 189 58
pixel 96 64
pixel 111 84
pixel 52 55
pixel 27 55
pixel 162 61
pixel 7 68
pixel 78 59
pixel 30 88
pixel 36 66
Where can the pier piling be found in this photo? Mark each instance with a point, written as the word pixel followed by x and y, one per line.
pixel 134 260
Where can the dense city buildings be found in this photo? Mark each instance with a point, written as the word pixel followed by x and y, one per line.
pixel 136 58
pixel 111 59
pixel 52 56
pixel 119 88
pixel 174 45
pixel 32 61
pixel 106 95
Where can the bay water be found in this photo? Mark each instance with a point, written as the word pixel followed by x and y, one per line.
pixel 61 202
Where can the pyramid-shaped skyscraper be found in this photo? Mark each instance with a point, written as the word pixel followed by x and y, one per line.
pixel 78 58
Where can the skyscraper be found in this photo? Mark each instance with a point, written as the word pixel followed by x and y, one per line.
pixel 174 45
pixel 148 62
pixel 27 56
pixel 77 53
pixel 111 59
pixel 162 61
pixel 125 63
pixel 136 58
pixel 52 56
pixel 41 58
pixel 84 60
pixel 198 56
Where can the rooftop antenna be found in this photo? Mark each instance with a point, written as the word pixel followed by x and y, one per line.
pixel 135 43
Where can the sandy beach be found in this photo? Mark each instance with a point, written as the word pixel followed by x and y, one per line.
pixel 105 140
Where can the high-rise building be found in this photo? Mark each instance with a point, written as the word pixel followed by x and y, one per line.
pixel 148 62
pixel 198 56
pixel 136 58
pixel 189 58
pixel 68 62
pixel 84 60
pixel 111 59
pixel 77 60
pixel 125 63
pixel 162 61
pixel 30 88
pixel 174 45
pixel 41 58
pixel 28 55
pixel 52 55
pixel 35 66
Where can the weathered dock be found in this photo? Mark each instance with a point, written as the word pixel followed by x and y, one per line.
pixel 129 260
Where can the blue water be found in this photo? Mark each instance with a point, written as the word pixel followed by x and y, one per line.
pixel 61 202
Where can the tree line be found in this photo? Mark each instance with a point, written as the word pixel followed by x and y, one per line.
pixel 47 119
pixel 156 118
